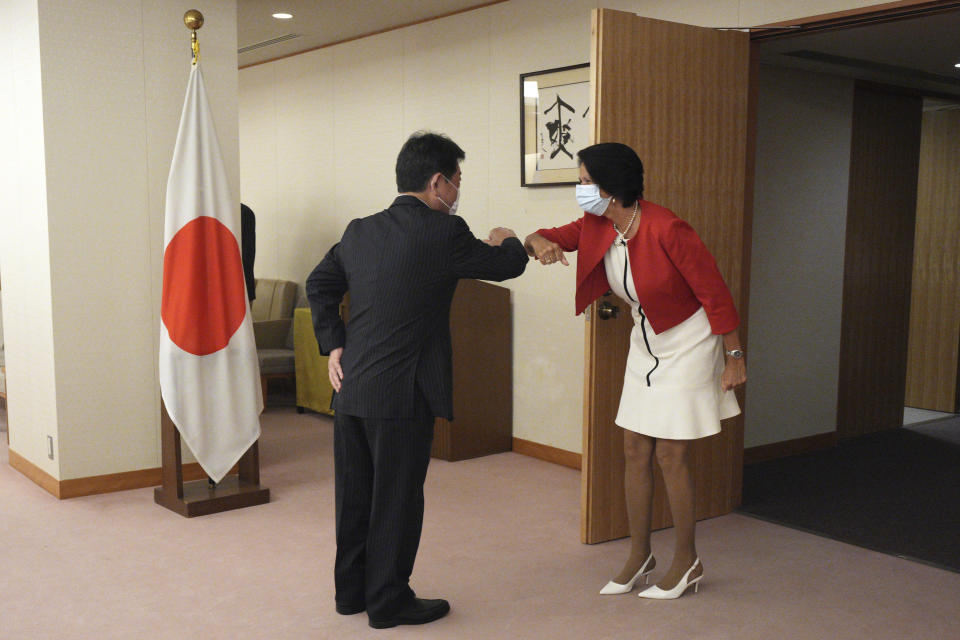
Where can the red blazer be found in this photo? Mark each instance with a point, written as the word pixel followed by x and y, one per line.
pixel 673 271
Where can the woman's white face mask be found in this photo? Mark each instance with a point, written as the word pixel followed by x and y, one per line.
pixel 590 200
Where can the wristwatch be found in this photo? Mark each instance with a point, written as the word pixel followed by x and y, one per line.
pixel 735 353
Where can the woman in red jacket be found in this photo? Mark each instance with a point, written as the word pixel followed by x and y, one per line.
pixel 685 357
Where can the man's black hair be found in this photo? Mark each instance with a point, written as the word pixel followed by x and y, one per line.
pixel 423 155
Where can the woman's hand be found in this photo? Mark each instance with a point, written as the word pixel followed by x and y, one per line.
pixel 543 250
pixel 734 374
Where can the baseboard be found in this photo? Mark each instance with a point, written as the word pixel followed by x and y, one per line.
pixel 786 448
pixel 548 453
pixel 93 485
pixel 47 482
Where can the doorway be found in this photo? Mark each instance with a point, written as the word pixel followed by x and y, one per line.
pixel 839 285
pixel 824 357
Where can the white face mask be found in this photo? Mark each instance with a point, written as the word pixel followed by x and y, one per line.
pixel 590 200
pixel 456 201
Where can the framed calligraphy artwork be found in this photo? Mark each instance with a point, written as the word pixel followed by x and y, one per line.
pixel 554 124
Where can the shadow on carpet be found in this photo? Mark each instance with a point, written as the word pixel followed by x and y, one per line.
pixel 895 491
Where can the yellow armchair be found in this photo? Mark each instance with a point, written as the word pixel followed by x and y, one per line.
pixel 313 384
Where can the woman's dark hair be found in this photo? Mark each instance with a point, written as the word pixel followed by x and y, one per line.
pixel 424 154
pixel 616 169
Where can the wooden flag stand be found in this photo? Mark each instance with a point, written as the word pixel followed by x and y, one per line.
pixel 198 498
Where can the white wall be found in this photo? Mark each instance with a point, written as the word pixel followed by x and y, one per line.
pixel 796 279
pixel 82 246
pixel 319 138
pixel 320 132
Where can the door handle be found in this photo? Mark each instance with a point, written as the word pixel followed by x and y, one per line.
pixel 607 310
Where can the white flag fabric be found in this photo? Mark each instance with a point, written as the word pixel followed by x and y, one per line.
pixel 209 375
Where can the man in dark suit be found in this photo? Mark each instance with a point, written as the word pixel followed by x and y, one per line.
pixel 392 369
pixel 248 248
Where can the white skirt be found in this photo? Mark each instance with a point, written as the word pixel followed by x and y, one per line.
pixel 671 386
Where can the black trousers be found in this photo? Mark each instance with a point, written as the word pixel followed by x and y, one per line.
pixel 380 466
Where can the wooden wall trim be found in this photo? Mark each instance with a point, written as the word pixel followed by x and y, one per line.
pixel 481 5
pixel 47 482
pixel 787 448
pixel 93 485
pixel 848 18
pixel 548 453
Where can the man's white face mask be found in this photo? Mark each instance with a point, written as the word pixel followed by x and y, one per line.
pixel 456 201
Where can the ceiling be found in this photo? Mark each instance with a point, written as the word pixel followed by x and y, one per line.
pixel 917 52
pixel 321 22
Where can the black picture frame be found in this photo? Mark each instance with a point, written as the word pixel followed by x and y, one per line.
pixel 531 147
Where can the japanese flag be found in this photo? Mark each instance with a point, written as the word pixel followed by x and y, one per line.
pixel 209 375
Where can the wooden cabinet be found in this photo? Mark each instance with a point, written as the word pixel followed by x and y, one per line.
pixel 481 328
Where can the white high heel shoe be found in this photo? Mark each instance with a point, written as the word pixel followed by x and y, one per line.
pixel 615 588
pixel 656 593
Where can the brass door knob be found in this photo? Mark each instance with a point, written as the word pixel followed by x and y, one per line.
pixel 607 310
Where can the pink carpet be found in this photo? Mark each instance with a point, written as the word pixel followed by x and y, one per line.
pixel 501 542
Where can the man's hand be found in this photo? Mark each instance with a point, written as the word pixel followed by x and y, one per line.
pixel 334 370
pixel 498 235
pixel 543 250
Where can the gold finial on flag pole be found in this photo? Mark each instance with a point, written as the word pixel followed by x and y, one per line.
pixel 194 20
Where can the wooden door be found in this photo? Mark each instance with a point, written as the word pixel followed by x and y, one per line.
pixel 679 95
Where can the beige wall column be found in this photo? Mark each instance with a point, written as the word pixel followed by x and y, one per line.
pixel 90 99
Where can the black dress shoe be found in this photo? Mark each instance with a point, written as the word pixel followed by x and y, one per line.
pixel 418 611
pixel 350 609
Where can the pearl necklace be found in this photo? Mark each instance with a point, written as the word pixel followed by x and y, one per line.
pixel 620 234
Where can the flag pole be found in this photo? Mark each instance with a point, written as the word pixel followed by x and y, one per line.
pixel 202 497
pixel 194 20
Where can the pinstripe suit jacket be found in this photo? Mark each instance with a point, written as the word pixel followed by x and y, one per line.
pixel 401 267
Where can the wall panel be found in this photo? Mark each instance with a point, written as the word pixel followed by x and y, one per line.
pixel 884 157
pixel 935 300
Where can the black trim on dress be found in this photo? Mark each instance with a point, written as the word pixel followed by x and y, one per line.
pixel 643 318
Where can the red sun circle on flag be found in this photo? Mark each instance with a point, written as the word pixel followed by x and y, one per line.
pixel 203 300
